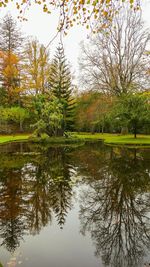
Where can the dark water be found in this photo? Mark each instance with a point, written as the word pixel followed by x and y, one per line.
pixel 86 206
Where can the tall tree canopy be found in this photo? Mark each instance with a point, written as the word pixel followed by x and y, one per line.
pixel 133 111
pixel 10 53
pixel 9 75
pixel 10 35
pixel 60 85
pixel 92 111
pixel 115 61
pixel 35 67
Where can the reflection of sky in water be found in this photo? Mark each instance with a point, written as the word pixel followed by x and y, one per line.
pixel 75 178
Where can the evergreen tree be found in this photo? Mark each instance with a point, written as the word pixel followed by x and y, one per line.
pixel 10 35
pixel 60 84
pixel 10 53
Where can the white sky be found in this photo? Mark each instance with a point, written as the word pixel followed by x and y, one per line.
pixel 44 26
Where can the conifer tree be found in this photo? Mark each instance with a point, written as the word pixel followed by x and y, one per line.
pixel 60 84
pixel 10 35
pixel 10 53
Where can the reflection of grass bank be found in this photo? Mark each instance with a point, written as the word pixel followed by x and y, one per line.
pixel 75 138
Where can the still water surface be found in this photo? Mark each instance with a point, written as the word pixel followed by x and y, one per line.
pixel 85 206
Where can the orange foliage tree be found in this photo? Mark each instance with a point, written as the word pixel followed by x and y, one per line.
pixel 9 74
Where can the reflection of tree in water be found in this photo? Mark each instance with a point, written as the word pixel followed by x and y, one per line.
pixel 37 197
pixel 30 192
pixel 89 159
pixel 50 189
pixel 11 209
pixel 60 187
pixel 115 210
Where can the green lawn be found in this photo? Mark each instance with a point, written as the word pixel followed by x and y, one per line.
pixel 129 140
pixel 117 139
pixel 12 138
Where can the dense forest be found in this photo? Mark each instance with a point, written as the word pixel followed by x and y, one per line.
pixel 38 94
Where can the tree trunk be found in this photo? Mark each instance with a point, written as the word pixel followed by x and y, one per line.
pixel 21 126
pixel 60 132
pixel 135 132
pixel 124 130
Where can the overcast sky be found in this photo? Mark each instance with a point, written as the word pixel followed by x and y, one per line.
pixel 44 27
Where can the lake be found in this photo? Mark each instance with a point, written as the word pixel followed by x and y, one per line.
pixel 74 206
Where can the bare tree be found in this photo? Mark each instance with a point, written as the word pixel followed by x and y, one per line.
pixel 115 60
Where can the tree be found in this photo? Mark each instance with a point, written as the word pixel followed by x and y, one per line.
pixel 10 52
pixel 35 67
pixel 19 115
pixel 14 114
pixel 60 85
pixel 92 110
pixel 50 118
pixel 10 35
pixel 9 74
pixel 133 111
pixel 84 115
pixel 115 61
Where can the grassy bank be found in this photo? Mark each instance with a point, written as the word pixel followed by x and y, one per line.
pixel 44 139
pixel 58 140
pixel 13 138
pixel 114 139
pixel 141 140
